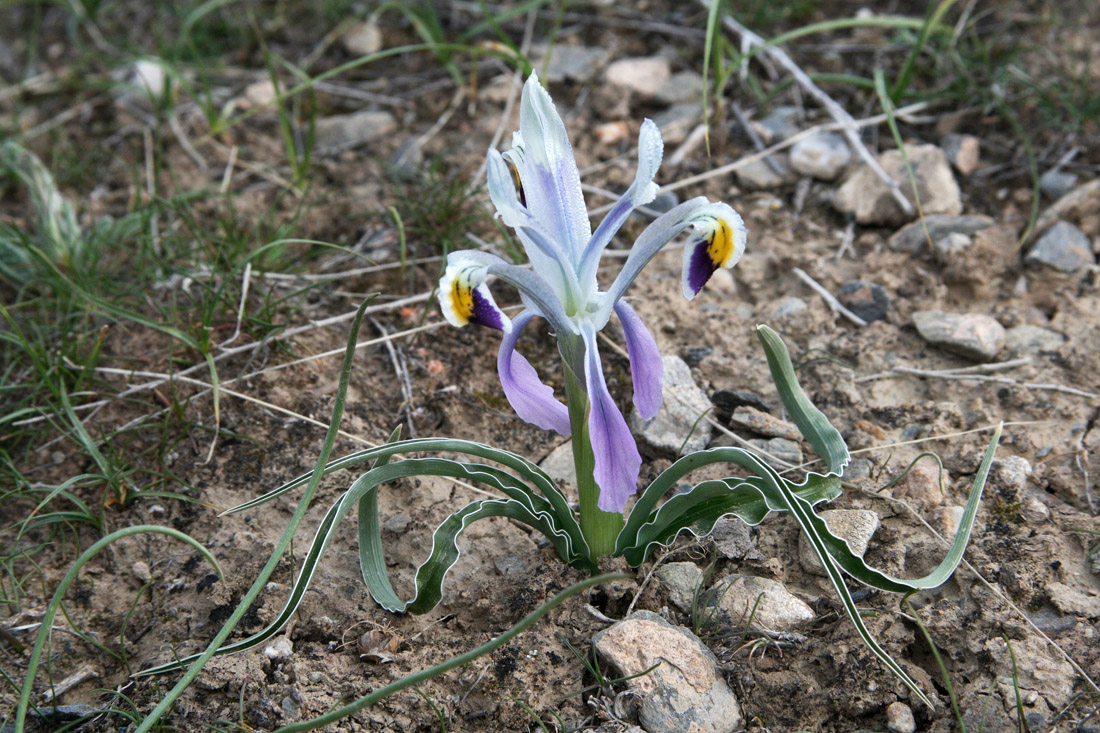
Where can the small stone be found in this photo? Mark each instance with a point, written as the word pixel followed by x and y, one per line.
pixel 858 470
pixel 778 125
pixel 954 244
pixel 344 131
pixel 871 201
pixel 854 526
pixel 258 94
pixel 157 510
pixel 778 609
pixel 1010 476
pixel 727 400
pixel 396 524
pixel 790 306
pixel 141 571
pixel 644 76
pixel 762 423
pixel 290 708
pixel 694 355
pixel 974 336
pixel 1034 511
pixel 279 650
pixel 899 718
pixel 760 175
pixel 733 539
pixel 1063 247
pixel 1032 340
pixel 571 63
pixel 685 691
pixel 785 450
pixel 150 78
pixel 677 121
pixel 683 86
pixel 964 152
pixel 922 485
pixel 950 518
pixel 823 156
pixel 913 237
pixel 1056 183
pixel 1073 601
pixel 681 580
pixel 869 301
pixel 559 464
pixel 679 415
pixel 612 133
pixel 362 39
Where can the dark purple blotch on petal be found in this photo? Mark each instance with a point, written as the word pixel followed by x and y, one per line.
pixel 485 313
pixel 701 266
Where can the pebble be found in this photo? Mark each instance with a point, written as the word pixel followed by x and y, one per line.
pixel 947 248
pixel 279 650
pixel 1010 476
pixel 683 403
pixel 762 423
pixel 362 39
pixel 869 301
pixel 899 718
pixel 783 449
pixel 683 86
pixel 790 306
pixel 397 524
pixel 678 120
pixel 645 75
pixel 823 156
pixel 950 517
pixel 1032 340
pixel 572 63
pixel 759 174
pixel 1034 511
pixel 780 124
pixel 680 580
pixel 693 356
pixel 727 400
pixel 344 131
pixel 854 526
pixel 559 464
pixel 869 199
pixel 778 609
pixel 733 539
pixel 974 336
pixel 141 571
pixel 922 485
pixel 963 151
pixel 1056 183
pixel 685 691
pixel 1063 247
pixel 912 237
pixel 858 470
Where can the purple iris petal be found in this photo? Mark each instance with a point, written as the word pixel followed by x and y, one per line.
pixel 616 455
pixel 485 312
pixel 646 368
pixel 530 398
pixel 700 266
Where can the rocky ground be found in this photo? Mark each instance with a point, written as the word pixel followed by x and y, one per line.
pixel 916 327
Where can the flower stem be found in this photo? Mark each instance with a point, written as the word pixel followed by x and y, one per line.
pixel 600 529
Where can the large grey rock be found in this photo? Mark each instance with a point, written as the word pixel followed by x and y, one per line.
pixel 912 237
pixel 684 693
pixel 971 335
pixel 683 404
pixel 854 526
pixel 1056 183
pixel 1063 247
pixel 559 464
pixel 1031 340
pixel 680 580
pixel 644 76
pixel 736 597
pixel 823 156
pixel 345 131
pixel 870 200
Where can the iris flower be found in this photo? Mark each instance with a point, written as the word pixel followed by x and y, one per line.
pixel 536 189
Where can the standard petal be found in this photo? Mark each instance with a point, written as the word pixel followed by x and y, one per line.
pixel 646 368
pixel 530 398
pixel 641 192
pixel 717 227
pixel 465 298
pixel 548 170
pixel 617 461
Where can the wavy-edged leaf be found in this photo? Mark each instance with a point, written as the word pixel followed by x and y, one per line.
pixel 811 422
pixel 551 501
pixel 431 574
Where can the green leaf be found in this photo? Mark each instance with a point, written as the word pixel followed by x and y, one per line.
pixel 811 422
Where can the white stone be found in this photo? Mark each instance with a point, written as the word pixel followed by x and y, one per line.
pixel 679 415
pixel 362 39
pixel 645 75
pixel 777 610
pixel 823 156
pixel 854 526
pixel 871 201
pixel 279 650
pixel 899 718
